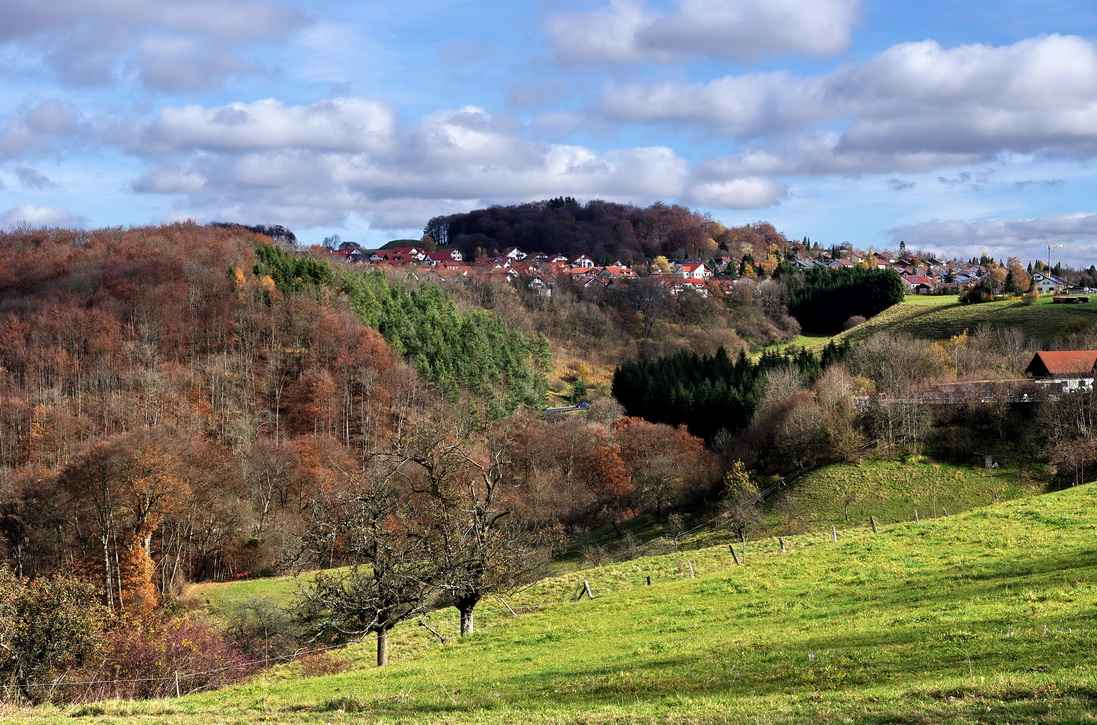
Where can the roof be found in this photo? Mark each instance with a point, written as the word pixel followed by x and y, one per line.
pixel 1063 362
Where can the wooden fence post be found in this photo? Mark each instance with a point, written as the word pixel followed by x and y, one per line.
pixel 781 541
pixel 944 511
pixel 734 555
pixel 916 519
pixel 834 533
pixel 872 520
pixel 649 581
pixel 691 574
pixel 512 612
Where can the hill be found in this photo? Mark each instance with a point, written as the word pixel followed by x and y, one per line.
pixel 941 317
pixel 984 617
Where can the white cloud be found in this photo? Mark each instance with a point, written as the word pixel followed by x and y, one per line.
pixel 749 193
pixel 1026 238
pixel 40 216
pixel 47 127
pixel 628 31
pixel 182 44
pixel 915 106
pixel 315 164
pixel 346 124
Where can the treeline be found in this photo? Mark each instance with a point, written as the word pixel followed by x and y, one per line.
pixel 823 300
pixel 708 393
pixel 605 231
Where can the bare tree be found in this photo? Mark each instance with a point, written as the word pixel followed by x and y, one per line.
pixel 478 544
pixel 388 578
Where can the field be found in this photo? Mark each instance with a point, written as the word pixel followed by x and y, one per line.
pixel 939 317
pixel 988 616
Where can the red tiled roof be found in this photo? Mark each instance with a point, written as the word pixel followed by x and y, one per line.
pixel 1063 362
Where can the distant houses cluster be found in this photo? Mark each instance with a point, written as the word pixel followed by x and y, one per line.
pixel 540 272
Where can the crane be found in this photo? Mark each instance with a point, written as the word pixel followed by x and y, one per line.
pixel 1051 246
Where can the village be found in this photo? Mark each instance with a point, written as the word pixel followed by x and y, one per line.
pixel 539 272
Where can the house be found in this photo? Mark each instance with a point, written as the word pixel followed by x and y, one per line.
pixel 1074 369
pixel 1045 283
pixel 583 261
pixel 514 253
pixel 691 269
pixel 919 284
pixel 447 255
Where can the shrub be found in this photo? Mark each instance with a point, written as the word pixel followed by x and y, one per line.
pixel 157 657
pixel 262 629
pixel 47 625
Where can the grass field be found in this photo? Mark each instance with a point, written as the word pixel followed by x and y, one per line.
pixel 989 617
pixel 939 317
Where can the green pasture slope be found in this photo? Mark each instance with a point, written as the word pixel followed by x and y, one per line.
pixel 984 617
pixel 939 317
pixel 891 492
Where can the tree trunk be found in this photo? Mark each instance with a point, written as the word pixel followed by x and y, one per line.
pixel 382 647
pixel 467 625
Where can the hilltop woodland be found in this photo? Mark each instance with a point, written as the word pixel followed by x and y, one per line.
pixel 186 403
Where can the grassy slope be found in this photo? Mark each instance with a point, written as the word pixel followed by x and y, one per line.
pixel 937 317
pixel 990 616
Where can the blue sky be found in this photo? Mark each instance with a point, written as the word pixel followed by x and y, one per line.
pixel 962 127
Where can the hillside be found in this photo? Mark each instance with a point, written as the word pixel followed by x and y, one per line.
pixel 941 317
pixel 983 617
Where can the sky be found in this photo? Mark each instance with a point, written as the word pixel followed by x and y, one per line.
pixel 957 126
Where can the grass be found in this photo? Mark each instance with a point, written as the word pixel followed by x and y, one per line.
pixel 984 617
pixel 891 491
pixel 939 317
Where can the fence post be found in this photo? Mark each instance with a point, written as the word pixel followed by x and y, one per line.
pixel 872 520
pixel 834 533
pixel 649 580
pixel 916 519
pixel 734 555
pixel 691 574
pixel 781 540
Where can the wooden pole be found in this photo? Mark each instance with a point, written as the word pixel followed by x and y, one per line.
pixel 872 520
pixel 734 555
pixel 944 511
pixel 781 541
pixel 916 519
pixel 691 574
pixel 586 589
pixel 649 581
pixel 512 612
pixel 834 533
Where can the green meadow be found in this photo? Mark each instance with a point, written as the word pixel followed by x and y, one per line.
pixel 984 617
pixel 939 317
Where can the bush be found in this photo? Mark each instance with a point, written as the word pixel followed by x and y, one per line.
pixel 262 629
pixel 1030 297
pixel 156 657
pixel 47 626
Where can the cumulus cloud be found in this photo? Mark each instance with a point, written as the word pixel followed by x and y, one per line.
pixel 338 124
pixel 170 45
pixel 32 179
pixel 915 106
pixel 315 164
pixel 749 193
pixel 1026 238
pixel 629 31
pixel 47 127
pixel 40 216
